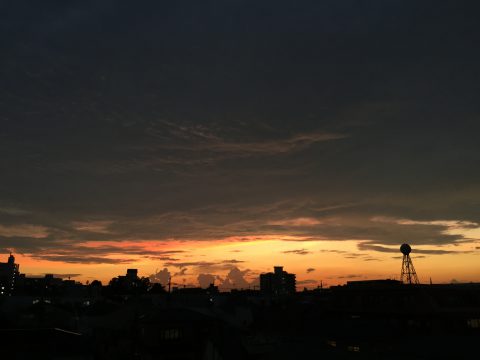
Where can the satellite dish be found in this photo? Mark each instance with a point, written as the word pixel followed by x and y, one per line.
pixel 405 249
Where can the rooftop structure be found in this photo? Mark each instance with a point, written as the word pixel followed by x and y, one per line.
pixel 278 283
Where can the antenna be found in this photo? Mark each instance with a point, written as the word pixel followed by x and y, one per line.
pixel 408 275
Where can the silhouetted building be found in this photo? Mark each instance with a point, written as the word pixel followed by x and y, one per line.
pixel 44 343
pixel 373 283
pixel 278 283
pixel 129 283
pixel 378 317
pixel 177 333
pixel 47 286
pixel 8 276
pixel 132 274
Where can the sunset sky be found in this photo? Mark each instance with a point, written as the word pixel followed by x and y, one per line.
pixel 215 139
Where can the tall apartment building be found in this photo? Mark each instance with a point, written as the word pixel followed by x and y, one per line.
pixel 8 276
pixel 278 283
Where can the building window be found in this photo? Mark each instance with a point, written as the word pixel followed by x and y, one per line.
pixel 473 323
pixel 353 348
pixel 170 334
pixel 332 343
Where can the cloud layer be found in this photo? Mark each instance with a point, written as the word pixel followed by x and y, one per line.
pixel 305 125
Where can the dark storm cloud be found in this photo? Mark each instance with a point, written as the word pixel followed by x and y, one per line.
pixel 202 121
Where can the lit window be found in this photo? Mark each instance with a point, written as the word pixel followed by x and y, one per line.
pixel 473 323
pixel 353 348
pixel 332 343
pixel 170 334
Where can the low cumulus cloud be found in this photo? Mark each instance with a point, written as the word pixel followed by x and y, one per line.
pixel 235 279
pixel 205 266
pixel 205 280
pixel 160 276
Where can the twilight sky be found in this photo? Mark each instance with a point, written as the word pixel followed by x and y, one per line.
pixel 215 139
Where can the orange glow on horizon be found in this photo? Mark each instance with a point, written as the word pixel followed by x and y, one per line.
pixel 314 262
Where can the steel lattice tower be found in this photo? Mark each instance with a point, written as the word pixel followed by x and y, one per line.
pixel 409 275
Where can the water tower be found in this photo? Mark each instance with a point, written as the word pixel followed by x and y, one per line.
pixel 408 276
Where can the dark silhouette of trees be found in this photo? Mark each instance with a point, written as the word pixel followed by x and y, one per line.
pixel 157 288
